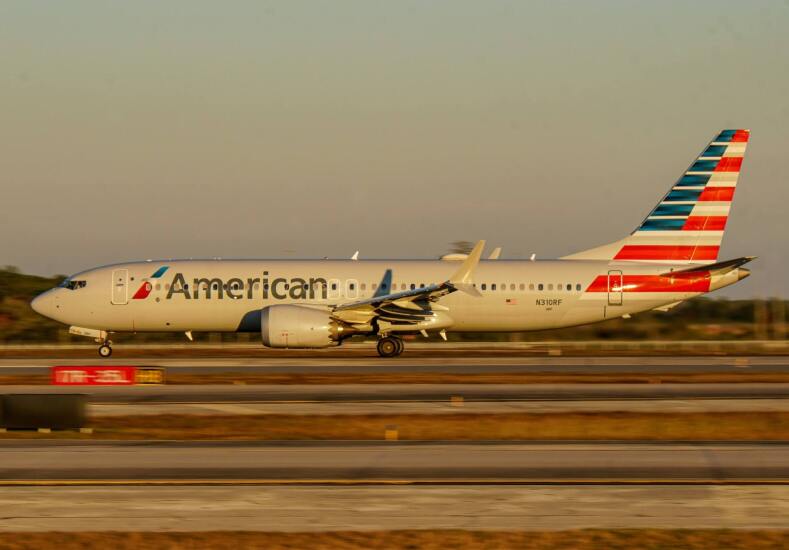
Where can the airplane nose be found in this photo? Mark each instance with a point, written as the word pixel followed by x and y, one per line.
pixel 43 304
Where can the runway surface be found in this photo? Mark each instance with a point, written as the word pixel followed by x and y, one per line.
pixel 316 508
pixel 361 461
pixel 435 363
pixel 356 393
pixel 444 407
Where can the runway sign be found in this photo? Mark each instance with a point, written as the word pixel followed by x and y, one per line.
pixel 106 376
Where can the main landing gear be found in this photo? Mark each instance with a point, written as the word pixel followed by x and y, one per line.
pixel 390 346
pixel 105 349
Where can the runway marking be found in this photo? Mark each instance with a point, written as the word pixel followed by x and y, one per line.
pixel 356 482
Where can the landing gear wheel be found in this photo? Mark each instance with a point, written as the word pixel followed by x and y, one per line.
pixel 105 350
pixel 390 347
pixel 400 345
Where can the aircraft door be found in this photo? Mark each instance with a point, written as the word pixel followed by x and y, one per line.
pixel 120 287
pixel 615 291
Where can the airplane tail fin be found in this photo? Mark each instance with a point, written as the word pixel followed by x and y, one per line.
pixel 687 225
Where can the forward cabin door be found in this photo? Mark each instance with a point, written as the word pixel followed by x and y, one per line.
pixel 615 288
pixel 120 287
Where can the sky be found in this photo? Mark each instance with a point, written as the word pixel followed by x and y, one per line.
pixel 294 129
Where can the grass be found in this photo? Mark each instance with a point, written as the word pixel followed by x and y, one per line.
pixel 593 426
pixel 581 539
pixel 747 375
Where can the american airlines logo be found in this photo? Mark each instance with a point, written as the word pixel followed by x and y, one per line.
pixel 235 288
pixel 146 287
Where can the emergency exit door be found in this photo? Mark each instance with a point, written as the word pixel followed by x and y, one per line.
pixel 615 290
pixel 120 287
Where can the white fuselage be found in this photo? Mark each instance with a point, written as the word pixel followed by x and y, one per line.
pixel 227 295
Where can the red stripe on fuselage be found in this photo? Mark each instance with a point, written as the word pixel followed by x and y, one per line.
pixel 667 252
pixel 680 282
pixel 705 223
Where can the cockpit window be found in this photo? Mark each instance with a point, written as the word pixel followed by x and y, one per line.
pixel 72 284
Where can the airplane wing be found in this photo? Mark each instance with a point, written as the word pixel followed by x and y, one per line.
pixel 409 308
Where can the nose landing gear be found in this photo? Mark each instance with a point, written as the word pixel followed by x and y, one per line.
pixel 390 346
pixel 105 349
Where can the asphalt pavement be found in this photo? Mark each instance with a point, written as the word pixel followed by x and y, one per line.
pixel 434 363
pixel 375 507
pixel 356 462
pixel 354 393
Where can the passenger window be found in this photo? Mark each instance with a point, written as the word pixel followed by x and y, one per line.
pixel 523 286
pixel 421 285
pixel 569 287
pixel 493 286
pixel 484 286
pixel 512 286
pixel 413 286
pixel 531 286
pixel 539 286
pixel 375 285
pixel 550 286
pixel 364 286
pixel 578 287
pixel 334 289
pixel 402 286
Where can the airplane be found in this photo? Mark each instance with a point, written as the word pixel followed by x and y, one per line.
pixel 671 257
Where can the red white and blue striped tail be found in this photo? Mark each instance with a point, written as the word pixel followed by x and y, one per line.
pixel 687 225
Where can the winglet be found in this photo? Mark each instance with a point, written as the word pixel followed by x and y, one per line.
pixel 355 256
pixel 385 286
pixel 495 254
pixel 461 280
pixel 463 275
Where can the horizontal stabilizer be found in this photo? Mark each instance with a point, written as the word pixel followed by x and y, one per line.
pixel 726 266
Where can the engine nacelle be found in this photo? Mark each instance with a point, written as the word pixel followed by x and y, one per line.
pixel 287 326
